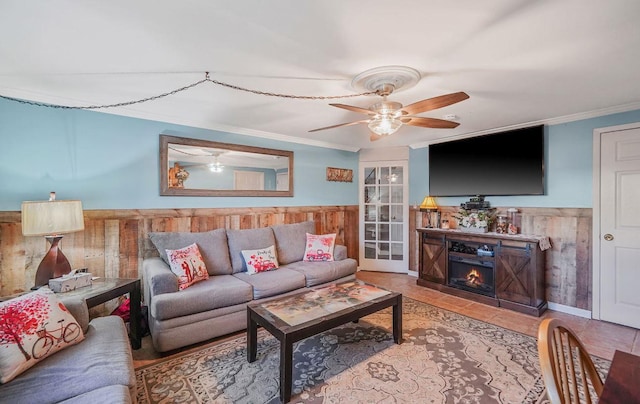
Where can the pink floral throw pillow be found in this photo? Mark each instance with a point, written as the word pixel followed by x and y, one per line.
pixel 260 260
pixel 319 247
pixel 188 265
pixel 32 327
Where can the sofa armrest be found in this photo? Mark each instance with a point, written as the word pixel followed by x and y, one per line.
pixel 77 306
pixel 157 278
pixel 340 252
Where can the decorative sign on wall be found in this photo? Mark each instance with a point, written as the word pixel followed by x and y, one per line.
pixel 339 174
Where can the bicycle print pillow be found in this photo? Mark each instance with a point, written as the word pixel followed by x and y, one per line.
pixel 319 247
pixel 32 327
pixel 187 264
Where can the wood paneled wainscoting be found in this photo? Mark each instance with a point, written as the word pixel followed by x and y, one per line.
pixel 568 266
pixel 114 242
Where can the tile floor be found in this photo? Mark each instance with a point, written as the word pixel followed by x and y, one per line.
pixel 600 338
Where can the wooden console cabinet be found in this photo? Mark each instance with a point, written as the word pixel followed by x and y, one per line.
pixel 518 263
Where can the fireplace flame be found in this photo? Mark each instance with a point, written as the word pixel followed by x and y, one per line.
pixel 474 278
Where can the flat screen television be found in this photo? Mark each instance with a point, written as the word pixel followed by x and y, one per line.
pixel 504 163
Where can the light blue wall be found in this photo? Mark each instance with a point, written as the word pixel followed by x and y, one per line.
pixel 568 167
pixel 111 162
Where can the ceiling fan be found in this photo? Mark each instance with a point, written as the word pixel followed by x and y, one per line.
pixel 386 117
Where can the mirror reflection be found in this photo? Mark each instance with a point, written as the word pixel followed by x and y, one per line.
pixel 206 168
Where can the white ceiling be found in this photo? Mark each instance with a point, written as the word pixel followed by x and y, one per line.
pixel 521 62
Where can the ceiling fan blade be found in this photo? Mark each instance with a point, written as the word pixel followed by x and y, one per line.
pixel 373 137
pixel 354 109
pixel 339 125
pixel 435 103
pixel 430 122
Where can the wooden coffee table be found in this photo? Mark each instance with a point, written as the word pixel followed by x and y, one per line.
pixel 296 317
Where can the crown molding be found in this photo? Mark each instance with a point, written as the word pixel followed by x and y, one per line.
pixel 551 121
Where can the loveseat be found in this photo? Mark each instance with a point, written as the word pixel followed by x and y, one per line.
pixel 217 306
pixel 97 370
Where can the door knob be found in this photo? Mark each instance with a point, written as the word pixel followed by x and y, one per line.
pixel 608 237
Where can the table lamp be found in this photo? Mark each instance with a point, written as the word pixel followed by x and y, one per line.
pixel 51 219
pixel 429 205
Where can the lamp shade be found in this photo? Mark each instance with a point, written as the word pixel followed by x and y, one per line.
pixel 428 203
pixel 43 218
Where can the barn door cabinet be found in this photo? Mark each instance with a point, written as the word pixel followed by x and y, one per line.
pixel 518 265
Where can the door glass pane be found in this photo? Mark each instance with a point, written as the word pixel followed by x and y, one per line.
pixel 383 251
pixel 384 175
pixel 370 213
pixel 370 194
pixel 383 232
pixel 384 213
pixel 370 175
pixel 396 251
pixel 396 213
pixel 384 194
pixel 370 231
pixel 396 194
pixel 396 176
pixel 395 232
pixel 370 250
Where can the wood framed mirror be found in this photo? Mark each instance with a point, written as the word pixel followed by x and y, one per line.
pixel 195 167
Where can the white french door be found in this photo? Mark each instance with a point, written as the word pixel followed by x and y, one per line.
pixel 384 214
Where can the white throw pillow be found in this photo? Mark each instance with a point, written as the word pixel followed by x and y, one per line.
pixel 188 265
pixel 32 327
pixel 260 260
pixel 320 247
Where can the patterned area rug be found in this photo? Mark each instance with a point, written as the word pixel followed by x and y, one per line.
pixel 445 358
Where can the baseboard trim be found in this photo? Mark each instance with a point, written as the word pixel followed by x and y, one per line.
pixel 569 310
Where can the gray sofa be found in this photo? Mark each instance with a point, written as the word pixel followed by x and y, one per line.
pixel 98 370
pixel 217 306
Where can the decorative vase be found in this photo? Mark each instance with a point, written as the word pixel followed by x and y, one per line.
pixel 475 229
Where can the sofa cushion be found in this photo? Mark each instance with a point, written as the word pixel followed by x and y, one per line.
pixel 260 260
pixel 247 239
pixel 102 359
pixel 187 264
pixel 212 245
pixel 33 327
pixel 291 240
pixel 217 291
pixel 103 395
pixel 266 284
pixel 317 273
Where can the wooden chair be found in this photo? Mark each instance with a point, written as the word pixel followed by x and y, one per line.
pixel 566 365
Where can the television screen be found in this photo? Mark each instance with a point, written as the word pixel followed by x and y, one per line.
pixel 505 163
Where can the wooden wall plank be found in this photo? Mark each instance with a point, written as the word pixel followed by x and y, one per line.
pixel 13 276
pixel 94 251
pixel 111 249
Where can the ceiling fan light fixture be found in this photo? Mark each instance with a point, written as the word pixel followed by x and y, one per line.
pixel 215 167
pixel 387 108
pixel 384 125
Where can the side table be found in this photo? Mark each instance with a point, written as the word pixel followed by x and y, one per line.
pixel 104 289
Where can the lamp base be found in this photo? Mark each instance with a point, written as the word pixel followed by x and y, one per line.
pixel 53 265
